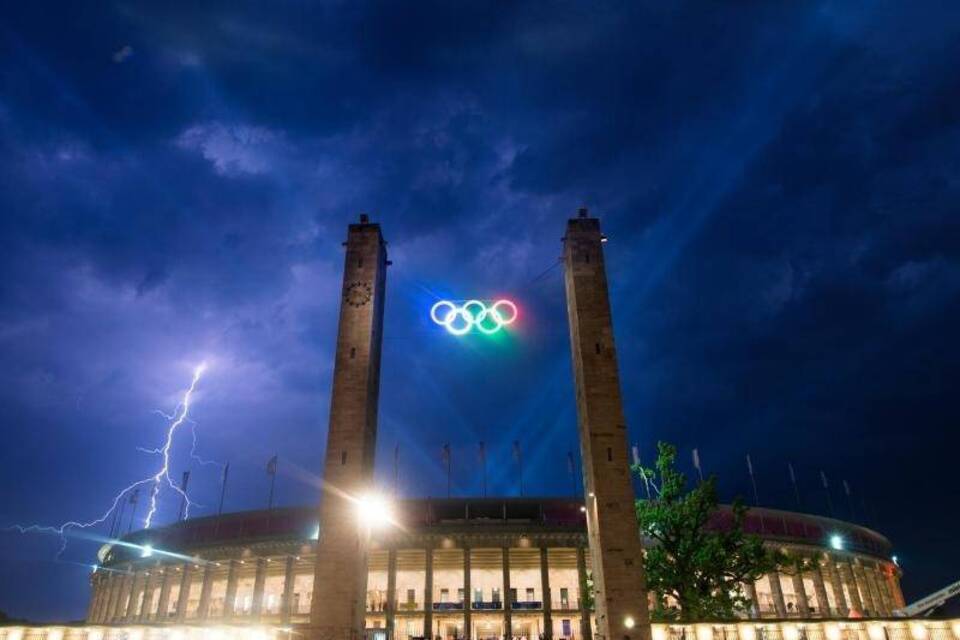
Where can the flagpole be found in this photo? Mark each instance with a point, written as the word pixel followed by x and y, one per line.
pixel 518 456
pixel 826 490
pixel 696 463
pixel 396 471
pixel 117 523
pixel 223 487
pixel 483 463
pixel 571 467
pixel 183 497
pixel 133 500
pixel 846 490
pixel 753 481
pixel 273 481
pixel 793 479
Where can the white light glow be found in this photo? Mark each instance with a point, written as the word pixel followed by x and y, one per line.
pixel 146 551
pixel 628 622
pixel 875 631
pixel 790 632
pixel 836 542
pixel 832 632
pixel 748 632
pixel 373 510
pixel 918 631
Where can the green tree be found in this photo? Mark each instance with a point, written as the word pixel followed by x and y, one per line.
pixel 699 565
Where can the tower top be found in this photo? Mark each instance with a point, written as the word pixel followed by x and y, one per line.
pixel 583 212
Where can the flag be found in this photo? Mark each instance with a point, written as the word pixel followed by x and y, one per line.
pixel 445 453
pixel 570 466
pixel 516 450
pixel 696 460
pixel 749 465
pixel 793 476
pixel 272 466
pixel 823 479
pixel 846 488
pixel 225 473
pixel 636 454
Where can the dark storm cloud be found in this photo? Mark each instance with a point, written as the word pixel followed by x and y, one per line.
pixel 778 180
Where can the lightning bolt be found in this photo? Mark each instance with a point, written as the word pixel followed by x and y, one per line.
pixel 162 477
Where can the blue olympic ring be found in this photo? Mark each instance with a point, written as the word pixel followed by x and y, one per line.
pixel 459 319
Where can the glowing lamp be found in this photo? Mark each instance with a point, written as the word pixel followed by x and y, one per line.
pixel 460 319
pixel 875 632
pixel 373 510
pixel 747 632
pixel 836 542
pixel 918 631
pixel 832 632
pixel 629 622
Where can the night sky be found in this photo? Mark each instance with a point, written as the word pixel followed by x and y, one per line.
pixel 780 183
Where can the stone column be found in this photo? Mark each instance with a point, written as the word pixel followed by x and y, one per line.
pixel 148 587
pixel 120 602
pixel 586 629
pixel 467 598
pixel 259 581
pixel 203 609
pixel 93 608
pixel 846 573
pixel 860 579
pixel 286 604
pixel 163 600
pixel 870 574
pixel 507 600
pixel 116 587
pixel 428 596
pixel 545 595
pixel 750 589
pixel 840 604
pixel 894 582
pixel 230 597
pixel 883 585
pixel 391 609
pixel 130 610
pixel 776 590
pixel 184 596
pixel 803 605
pixel 820 589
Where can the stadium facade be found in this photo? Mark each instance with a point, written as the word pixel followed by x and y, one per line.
pixel 480 568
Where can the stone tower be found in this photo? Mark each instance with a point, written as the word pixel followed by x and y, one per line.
pixel 339 592
pixel 620 592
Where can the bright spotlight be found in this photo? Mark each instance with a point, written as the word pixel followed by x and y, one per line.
pixel 146 551
pixel 373 510
pixel 836 542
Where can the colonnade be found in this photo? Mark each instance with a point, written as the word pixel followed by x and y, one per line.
pixel 834 586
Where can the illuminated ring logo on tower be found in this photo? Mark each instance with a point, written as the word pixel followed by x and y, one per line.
pixel 459 319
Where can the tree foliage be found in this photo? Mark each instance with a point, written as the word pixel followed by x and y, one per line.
pixel 696 570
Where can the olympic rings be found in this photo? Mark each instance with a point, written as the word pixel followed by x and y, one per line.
pixel 459 319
